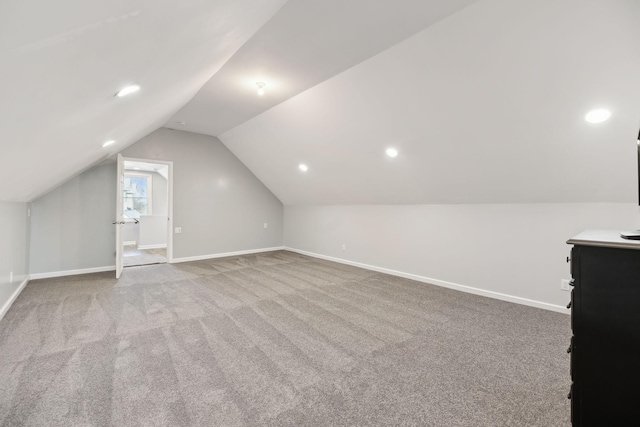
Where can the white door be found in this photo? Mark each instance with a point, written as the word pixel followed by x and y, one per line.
pixel 119 222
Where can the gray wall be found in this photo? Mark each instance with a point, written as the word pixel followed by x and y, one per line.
pixel 71 226
pixel 14 248
pixel 220 205
pixel 516 250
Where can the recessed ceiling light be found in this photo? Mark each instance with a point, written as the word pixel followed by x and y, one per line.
pixel 261 86
pixel 182 123
pixel 303 167
pixel 127 90
pixel 137 169
pixel 598 116
pixel 108 143
pixel 392 152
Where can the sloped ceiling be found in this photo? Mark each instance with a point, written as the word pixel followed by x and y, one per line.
pixel 305 43
pixel 62 61
pixel 484 100
pixel 485 106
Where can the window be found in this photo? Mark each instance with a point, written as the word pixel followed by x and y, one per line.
pixel 136 194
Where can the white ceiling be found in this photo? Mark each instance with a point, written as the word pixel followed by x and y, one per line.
pixel 62 61
pixel 486 106
pixel 131 165
pixel 484 99
pixel 306 42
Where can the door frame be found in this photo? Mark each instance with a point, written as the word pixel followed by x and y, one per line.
pixel 119 221
pixel 169 199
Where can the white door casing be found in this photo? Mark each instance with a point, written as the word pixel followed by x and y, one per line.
pixel 119 222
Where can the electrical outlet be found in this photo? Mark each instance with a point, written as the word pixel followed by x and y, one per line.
pixel 266 225
pixel 564 285
pixel 178 230
pixel 344 247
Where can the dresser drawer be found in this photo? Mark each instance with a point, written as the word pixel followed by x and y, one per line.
pixel 572 259
pixel 572 358
pixel 574 311
pixel 575 405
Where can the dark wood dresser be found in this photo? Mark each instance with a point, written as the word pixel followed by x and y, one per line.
pixel 605 320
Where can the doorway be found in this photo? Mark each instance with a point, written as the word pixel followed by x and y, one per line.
pixel 145 203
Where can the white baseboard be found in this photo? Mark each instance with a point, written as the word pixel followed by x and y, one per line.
pixel 7 305
pixel 72 272
pixel 129 242
pixel 444 284
pixel 227 254
pixel 160 246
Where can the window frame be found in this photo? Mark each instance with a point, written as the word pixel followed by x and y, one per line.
pixel 149 178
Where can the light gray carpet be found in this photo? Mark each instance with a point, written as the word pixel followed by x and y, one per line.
pixel 135 256
pixel 276 339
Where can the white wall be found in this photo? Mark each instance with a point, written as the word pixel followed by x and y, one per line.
pixel 160 194
pixel 14 249
pixel 131 232
pixel 153 228
pixel 219 204
pixel 153 231
pixel 517 250
pixel 71 226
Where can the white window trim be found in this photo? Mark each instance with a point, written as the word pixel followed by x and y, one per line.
pixel 149 189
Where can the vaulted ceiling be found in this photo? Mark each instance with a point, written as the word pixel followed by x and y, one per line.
pixel 305 43
pixel 484 100
pixel 486 106
pixel 61 62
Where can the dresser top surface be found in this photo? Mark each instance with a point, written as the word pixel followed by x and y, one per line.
pixel 605 238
